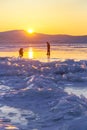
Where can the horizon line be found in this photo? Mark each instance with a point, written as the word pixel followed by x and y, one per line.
pixel 45 33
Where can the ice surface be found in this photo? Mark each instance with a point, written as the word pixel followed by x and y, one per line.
pixel 33 95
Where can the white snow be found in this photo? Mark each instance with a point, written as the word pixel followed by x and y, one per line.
pixel 39 96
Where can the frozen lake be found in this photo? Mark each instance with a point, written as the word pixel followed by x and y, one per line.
pixel 59 51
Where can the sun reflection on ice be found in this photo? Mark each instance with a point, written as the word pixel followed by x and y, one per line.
pixel 30 53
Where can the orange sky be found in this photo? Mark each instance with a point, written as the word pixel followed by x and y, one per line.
pixel 44 16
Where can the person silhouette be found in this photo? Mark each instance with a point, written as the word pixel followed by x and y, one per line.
pixel 48 48
pixel 21 52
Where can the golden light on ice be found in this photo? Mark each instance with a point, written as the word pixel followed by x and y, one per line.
pixel 30 31
pixel 30 53
pixel 11 128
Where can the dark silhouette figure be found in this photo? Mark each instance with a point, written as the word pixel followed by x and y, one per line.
pixel 21 52
pixel 48 48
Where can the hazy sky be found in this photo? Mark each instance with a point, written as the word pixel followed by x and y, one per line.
pixel 44 16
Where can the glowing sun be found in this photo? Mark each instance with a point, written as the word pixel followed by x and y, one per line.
pixel 30 31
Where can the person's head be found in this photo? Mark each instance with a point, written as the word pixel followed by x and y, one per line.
pixel 21 49
pixel 48 43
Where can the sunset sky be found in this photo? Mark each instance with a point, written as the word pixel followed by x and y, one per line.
pixel 44 16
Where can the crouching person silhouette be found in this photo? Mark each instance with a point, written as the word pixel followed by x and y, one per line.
pixel 21 52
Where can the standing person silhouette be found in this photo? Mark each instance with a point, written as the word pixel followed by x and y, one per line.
pixel 48 48
pixel 21 52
